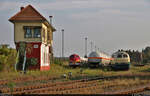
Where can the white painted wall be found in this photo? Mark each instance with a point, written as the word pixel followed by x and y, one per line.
pixel 44 51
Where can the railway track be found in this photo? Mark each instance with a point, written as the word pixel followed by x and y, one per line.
pixel 135 91
pixel 59 86
pixel 90 87
pixel 73 87
pixel 26 79
pixel 30 79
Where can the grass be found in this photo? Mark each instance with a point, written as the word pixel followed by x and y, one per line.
pixel 60 68
pixel 57 70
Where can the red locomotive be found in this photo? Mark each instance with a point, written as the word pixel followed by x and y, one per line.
pixel 74 60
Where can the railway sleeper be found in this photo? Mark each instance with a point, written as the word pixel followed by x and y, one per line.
pixel 132 91
pixel 49 92
pixel 80 89
pixel 57 89
pixel 3 83
pixel 74 91
pixel 17 92
pixel 5 90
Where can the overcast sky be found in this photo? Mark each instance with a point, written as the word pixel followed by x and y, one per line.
pixel 109 24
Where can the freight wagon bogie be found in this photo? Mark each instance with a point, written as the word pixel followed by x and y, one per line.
pixel 93 65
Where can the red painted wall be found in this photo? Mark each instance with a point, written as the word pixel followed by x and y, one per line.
pixel 32 51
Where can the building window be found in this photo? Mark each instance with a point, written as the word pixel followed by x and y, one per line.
pixel 37 32
pixel 28 32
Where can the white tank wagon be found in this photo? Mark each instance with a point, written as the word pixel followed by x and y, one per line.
pixel 121 60
pixel 97 58
pixel 84 60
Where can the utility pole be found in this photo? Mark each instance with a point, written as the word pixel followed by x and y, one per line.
pixel 98 49
pixel 95 48
pixel 141 58
pixel 62 43
pixel 91 46
pixel 51 47
pixel 85 47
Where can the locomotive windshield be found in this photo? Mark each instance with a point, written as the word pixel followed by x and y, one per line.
pixel 74 56
pixel 119 56
pixel 125 56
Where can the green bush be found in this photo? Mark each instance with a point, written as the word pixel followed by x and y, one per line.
pixel 7 59
pixel 32 61
pixel 57 61
pixel 2 62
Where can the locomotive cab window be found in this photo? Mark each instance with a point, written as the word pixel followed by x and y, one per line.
pixel 72 56
pixel 77 56
pixel 119 56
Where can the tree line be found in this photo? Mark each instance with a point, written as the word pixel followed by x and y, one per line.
pixel 139 57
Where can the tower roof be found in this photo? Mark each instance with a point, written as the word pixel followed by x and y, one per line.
pixel 28 13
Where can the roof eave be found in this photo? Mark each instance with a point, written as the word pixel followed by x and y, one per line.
pixel 48 24
pixel 12 21
pixel 26 21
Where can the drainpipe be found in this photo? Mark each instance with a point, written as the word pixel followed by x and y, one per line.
pixel 24 62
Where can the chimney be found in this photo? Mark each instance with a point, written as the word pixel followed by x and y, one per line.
pixel 21 8
pixel 50 19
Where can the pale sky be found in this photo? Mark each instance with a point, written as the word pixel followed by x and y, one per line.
pixel 109 24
